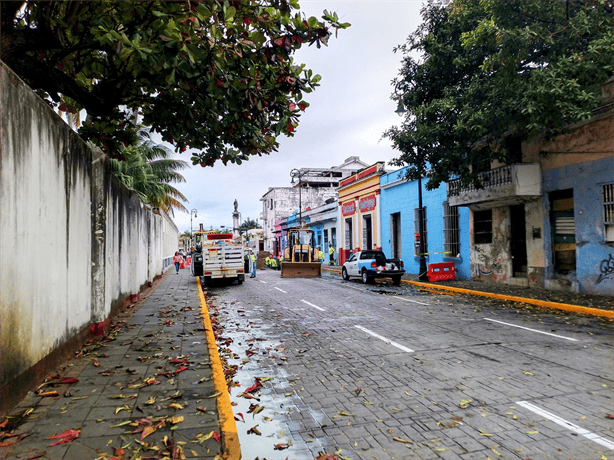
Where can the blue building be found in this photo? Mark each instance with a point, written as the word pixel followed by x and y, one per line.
pixel 323 221
pixel 588 187
pixel 446 227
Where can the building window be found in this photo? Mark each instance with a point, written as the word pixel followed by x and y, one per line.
pixel 395 236
pixel 608 211
pixel 451 231
pixel 482 227
pixel 417 231
pixel 349 233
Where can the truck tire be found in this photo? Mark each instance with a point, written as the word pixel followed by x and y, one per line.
pixel 206 280
pixel 396 280
pixel 366 279
pixel 240 279
pixel 344 274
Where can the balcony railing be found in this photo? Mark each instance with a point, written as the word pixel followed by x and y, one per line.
pixel 503 186
pixel 489 179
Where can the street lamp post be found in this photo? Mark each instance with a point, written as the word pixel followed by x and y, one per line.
pixel 422 270
pixel 295 173
pixel 192 212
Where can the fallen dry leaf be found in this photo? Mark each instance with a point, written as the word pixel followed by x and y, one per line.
pixel 66 436
pixel 38 455
pixel 147 431
pixel 200 438
pixel 254 387
pixel 47 394
pixel 127 422
pixel 124 407
pixel 406 441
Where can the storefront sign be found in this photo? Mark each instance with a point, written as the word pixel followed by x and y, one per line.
pixel 367 203
pixel 348 208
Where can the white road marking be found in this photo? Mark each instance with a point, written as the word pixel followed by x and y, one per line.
pixel 262 281
pixel 412 301
pixel 281 290
pixel 570 426
pixel 381 337
pixel 312 305
pixel 533 330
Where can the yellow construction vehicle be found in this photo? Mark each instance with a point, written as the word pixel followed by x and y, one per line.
pixel 300 257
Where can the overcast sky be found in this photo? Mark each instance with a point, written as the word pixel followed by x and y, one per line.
pixel 347 115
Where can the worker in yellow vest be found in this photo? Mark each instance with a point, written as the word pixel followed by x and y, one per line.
pixel 320 255
pixel 331 254
pixel 267 261
pixel 253 256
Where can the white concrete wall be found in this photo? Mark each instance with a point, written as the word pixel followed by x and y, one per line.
pixel 73 240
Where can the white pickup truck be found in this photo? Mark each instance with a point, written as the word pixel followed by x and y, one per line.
pixel 372 264
pixel 222 258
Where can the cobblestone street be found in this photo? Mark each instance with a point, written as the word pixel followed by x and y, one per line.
pixel 382 372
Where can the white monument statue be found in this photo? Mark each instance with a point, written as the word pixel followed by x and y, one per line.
pixel 236 221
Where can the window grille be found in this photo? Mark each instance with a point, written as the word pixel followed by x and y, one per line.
pixel 417 231
pixel 608 211
pixel 451 230
pixel 482 227
pixel 608 204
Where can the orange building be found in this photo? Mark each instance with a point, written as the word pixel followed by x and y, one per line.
pixel 359 219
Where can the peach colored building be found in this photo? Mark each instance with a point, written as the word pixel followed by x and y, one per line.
pixel 547 219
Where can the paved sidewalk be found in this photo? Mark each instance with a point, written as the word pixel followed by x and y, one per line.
pixel 146 389
pixel 556 297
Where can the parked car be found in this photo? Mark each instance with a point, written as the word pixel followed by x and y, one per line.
pixel 372 264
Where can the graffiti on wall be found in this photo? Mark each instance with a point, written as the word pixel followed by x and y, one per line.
pixel 484 263
pixel 606 269
pixel 478 260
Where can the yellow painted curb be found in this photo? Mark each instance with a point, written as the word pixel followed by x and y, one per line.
pixel 228 427
pixel 541 303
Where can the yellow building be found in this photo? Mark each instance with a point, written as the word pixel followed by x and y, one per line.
pixel 359 215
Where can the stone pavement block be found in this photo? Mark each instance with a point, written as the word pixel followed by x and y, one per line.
pixel 355 432
pixel 410 432
pixel 448 455
pixel 22 451
pixel 423 452
pixel 470 444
